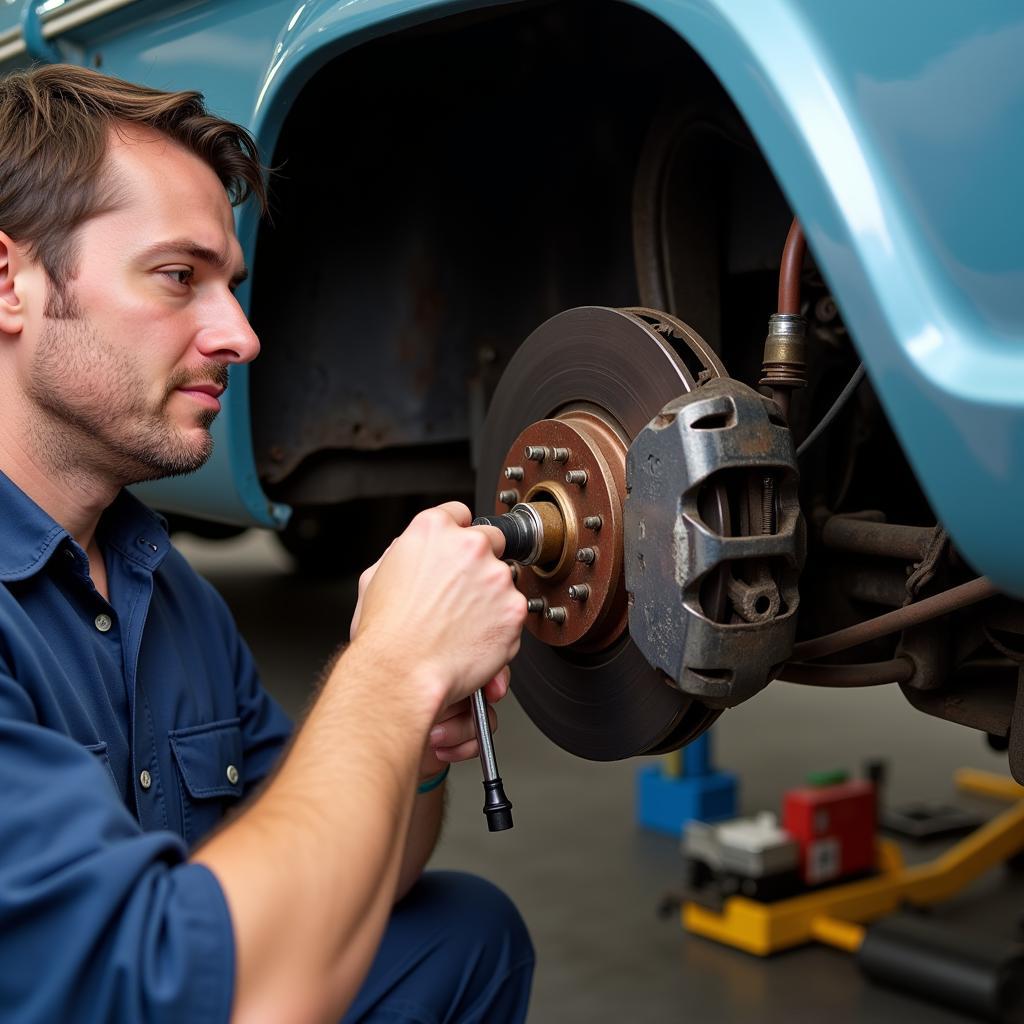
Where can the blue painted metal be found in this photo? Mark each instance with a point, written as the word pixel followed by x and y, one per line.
pixel 665 803
pixel 39 48
pixel 894 130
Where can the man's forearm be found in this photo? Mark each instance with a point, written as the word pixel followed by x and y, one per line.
pixel 310 870
pixel 424 831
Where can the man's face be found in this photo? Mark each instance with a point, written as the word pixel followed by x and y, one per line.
pixel 123 371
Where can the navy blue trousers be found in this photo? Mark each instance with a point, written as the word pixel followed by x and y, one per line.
pixel 455 951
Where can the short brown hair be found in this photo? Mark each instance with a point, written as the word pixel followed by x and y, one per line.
pixel 55 123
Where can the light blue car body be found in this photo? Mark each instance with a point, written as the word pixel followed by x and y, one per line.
pixel 896 130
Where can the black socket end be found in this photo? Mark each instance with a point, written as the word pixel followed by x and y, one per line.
pixel 517 531
pixel 497 806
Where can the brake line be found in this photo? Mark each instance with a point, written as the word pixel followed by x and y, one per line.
pixel 841 400
pixel 893 622
pixel 874 673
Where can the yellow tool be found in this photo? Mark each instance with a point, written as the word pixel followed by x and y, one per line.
pixel 837 915
pixel 764 928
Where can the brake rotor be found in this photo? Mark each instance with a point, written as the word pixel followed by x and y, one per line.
pixel 573 397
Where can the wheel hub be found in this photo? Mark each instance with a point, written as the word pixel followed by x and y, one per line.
pixel 575 461
pixel 572 399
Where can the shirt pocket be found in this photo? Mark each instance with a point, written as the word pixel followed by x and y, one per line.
pixel 209 762
pixel 99 751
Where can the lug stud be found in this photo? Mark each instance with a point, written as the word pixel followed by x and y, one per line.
pixel 586 555
pixel 535 452
pixel 513 472
pixel 576 476
pixel 535 605
pixel 560 454
pixel 508 497
pixel 579 592
pixel 556 614
pixel 593 522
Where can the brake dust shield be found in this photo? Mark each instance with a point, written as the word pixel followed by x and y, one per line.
pixel 579 389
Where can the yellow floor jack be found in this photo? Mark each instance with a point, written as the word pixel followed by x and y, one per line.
pixel 914 955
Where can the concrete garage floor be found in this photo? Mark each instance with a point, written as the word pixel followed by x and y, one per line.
pixel 586 879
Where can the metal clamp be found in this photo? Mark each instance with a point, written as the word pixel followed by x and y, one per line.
pixel 723 435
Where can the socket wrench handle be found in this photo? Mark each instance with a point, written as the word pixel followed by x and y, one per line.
pixel 497 805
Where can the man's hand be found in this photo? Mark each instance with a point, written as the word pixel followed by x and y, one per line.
pixel 453 736
pixel 440 601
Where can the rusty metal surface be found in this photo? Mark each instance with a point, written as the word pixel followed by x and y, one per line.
pixel 889 540
pixel 601 704
pixel 722 430
pixel 961 596
pixel 593 447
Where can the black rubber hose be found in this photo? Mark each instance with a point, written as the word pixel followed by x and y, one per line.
pixel 972 974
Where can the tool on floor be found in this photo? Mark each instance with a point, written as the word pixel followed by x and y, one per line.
pixel 969 974
pixel 685 786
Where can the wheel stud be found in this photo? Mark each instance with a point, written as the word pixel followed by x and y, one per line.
pixel 535 452
pixel 508 497
pixel 576 476
pixel 513 472
pixel 560 454
pixel 535 605
pixel 592 522
pixel 586 555
pixel 579 592
pixel 556 614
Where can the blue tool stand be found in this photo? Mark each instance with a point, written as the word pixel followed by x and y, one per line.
pixel 665 803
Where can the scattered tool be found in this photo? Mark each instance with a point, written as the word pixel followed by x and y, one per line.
pixel 967 974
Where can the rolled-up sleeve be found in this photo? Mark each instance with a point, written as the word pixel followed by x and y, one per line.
pixel 99 921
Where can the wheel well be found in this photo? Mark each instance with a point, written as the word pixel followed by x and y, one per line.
pixel 443 191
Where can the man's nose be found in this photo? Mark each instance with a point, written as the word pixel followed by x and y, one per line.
pixel 226 334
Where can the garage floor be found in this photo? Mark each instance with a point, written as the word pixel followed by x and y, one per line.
pixel 587 881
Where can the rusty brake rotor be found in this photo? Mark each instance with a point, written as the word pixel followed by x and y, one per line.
pixel 573 397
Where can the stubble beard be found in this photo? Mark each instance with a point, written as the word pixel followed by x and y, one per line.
pixel 93 415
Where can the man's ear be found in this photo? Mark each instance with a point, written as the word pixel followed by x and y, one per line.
pixel 11 306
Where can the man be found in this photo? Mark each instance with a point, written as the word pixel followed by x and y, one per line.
pixel 131 716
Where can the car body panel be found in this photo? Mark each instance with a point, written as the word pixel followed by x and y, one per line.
pixel 894 130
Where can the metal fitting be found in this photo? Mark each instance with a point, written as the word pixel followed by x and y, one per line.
pixel 576 476
pixel 535 605
pixel 508 497
pixel 593 522
pixel 586 555
pixel 535 452
pixel 513 472
pixel 556 614
pixel 560 454
pixel 785 352
pixel 579 592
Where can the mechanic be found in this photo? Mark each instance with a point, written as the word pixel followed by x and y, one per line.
pixel 131 715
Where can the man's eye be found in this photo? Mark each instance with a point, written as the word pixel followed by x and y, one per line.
pixel 181 275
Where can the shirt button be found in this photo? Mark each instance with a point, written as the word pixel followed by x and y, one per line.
pixel 103 622
pixel 232 774
pixel 145 779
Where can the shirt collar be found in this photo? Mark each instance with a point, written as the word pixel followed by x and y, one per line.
pixel 29 536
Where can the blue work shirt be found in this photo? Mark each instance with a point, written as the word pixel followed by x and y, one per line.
pixel 127 729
